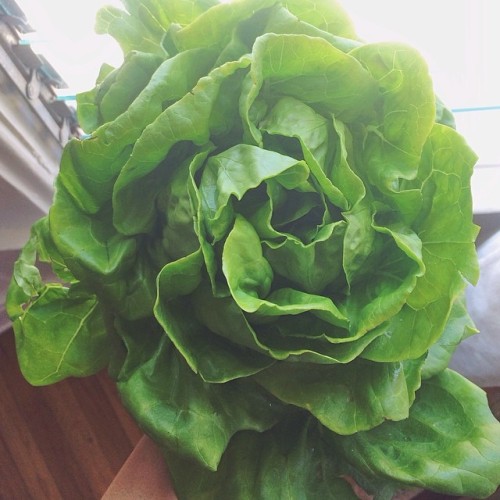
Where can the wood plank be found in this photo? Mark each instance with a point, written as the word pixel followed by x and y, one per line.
pixel 38 419
pixel 115 442
pixel 132 432
pixel 77 433
pixel 8 469
pixel 22 450
pixel 67 440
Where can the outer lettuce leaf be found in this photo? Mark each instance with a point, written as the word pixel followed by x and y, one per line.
pixel 394 142
pixel 97 162
pixel 87 102
pixel 180 12
pixel 190 417
pixel 61 334
pixel 127 83
pixel 59 330
pixel 26 280
pixel 133 294
pixel 140 32
pixel 213 28
pixel 179 239
pixel 447 249
pixel 436 447
pixel 288 461
pixel 281 20
pixel 89 243
pixel 325 14
pixel 458 327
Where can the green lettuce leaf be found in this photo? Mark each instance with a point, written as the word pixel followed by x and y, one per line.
pixel 288 461
pixel 436 447
pixel 61 334
pixel 346 398
pixel 190 417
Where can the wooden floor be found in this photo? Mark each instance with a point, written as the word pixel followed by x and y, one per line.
pixel 65 441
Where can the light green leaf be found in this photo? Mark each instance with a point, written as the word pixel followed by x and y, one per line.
pixel 448 250
pixel 314 72
pixel 384 289
pixel 236 171
pixel 310 266
pixel 458 327
pixel 128 81
pixel 26 281
pixel 292 118
pixel 129 31
pixel 249 277
pixel 214 27
pixel 281 20
pixel 327 15
pixel 87 106
pixel 408 111
pixel 394 142
pixel 187 120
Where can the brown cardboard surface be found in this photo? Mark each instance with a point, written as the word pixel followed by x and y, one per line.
pixel 144 476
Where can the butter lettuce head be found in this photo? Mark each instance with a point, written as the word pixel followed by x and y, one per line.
pixel 266 237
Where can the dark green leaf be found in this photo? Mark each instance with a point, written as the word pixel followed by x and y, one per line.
pixel 188 416
pixel 287 462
